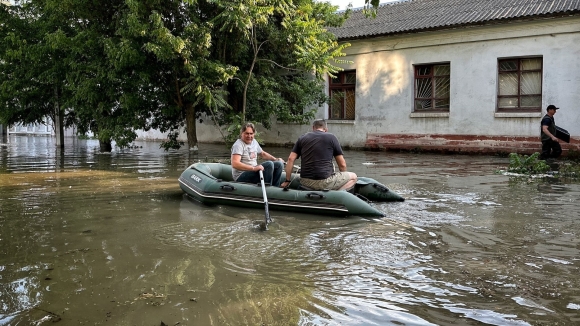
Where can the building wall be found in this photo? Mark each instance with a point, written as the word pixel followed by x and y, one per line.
pixel 384 90
pixel 385 82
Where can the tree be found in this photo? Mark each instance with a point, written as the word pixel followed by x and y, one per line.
pixel 32 75
pixel 114 67
pixel 282 51
pixel 174 38
pixel 111 80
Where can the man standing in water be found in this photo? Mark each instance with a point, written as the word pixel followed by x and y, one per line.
pixel 550 146
pixel 317 149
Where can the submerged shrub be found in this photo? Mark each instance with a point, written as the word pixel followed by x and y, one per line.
pixel 525 164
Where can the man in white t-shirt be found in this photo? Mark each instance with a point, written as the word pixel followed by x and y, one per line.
pixel 245 167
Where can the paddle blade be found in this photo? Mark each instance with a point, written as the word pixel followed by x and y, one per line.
pixel 267 213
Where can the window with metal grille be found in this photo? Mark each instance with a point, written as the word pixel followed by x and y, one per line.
pixel 519 85
pixel 342 96
pixel 432 84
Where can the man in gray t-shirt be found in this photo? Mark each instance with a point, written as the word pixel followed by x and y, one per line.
pixel 245 167
pixel 317 149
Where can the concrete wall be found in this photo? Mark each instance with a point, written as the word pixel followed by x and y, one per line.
pixel 384 90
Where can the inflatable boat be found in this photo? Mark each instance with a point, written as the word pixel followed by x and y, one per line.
pixel 212 184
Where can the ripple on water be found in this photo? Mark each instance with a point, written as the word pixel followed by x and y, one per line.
pixel 238 240
pixel 373 274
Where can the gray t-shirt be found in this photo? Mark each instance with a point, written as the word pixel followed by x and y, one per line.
pixel 249 154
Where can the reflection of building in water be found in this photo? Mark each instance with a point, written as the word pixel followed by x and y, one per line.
pixel 44 128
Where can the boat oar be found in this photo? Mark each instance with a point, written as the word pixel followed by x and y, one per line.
pixel 267 212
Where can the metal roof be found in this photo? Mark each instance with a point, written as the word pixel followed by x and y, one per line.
pixel 416 15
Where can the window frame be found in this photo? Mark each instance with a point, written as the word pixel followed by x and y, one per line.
pixel 341 85
pixel 432 77
pixel 519 95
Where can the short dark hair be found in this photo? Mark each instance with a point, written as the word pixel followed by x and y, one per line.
pixel 319 123
pixel 246 126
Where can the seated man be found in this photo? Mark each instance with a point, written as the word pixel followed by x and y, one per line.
pixel 317 149
pixel 245 167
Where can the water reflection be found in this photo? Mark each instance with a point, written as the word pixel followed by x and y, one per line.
pixel 95 238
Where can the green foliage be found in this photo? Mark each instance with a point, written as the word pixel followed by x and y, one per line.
pixel 286 98
pixel 172 142
pixel 570 170
pixel 234 130
pixel 32 67
pixel 525 164
pixel 282 53
pixel 84 137
pixel 370 8
pixel 573 155
pixel 113 67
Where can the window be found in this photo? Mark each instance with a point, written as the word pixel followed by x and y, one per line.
pixel 432 84
pixel 342 90
pixel 520 85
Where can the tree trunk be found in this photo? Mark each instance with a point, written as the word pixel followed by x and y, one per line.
pixel 191 127
pixel 105 146
pixel 59 130
pixel 58 121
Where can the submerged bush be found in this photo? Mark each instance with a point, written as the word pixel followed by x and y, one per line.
pixel 570 170
pixel 525 164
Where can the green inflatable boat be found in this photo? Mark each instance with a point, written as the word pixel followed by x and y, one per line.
pixel 212 184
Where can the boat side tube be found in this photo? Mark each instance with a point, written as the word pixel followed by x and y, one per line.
pixel 200 183
pixel 376 191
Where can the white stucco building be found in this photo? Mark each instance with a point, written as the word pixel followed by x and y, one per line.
pixel 452 75
pixel 456 75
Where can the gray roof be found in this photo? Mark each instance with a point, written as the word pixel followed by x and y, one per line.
pixel 420 15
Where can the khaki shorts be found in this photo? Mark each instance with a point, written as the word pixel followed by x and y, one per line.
pixel 334 182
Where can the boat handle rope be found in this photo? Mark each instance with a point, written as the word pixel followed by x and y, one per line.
pixel 381 187
pixel 362 197
pixel 228 187
pixel 315 195
pixel 294 177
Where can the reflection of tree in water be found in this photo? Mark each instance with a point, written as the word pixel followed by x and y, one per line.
pixel 26 229
pixel 252 278
pixel 261 303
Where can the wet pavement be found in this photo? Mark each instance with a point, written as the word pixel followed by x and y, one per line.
pixel 89 238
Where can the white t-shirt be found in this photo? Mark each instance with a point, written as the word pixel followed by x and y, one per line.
pixel 249 154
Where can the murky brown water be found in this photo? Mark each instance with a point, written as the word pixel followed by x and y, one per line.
pixel 109 239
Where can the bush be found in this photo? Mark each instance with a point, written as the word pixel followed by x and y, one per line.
pixel 525 164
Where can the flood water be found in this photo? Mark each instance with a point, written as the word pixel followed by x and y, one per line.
pixel 109 239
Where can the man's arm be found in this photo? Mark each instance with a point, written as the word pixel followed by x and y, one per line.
pixel 547 132
pixel 341 163
pixel 238 165
pixel 267 156
pixel 289 165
